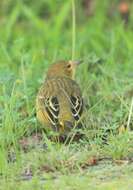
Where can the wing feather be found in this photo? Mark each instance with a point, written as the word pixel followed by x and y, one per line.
pixel 76 106
pixel 52 108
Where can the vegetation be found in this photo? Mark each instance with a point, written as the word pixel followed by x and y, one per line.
pixel 33 35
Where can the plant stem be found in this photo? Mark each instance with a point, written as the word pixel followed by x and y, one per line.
pixel 73 29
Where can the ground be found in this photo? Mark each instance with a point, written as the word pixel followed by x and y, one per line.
pixel 35 34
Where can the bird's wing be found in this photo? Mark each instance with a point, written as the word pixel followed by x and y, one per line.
pixel 76 101
pixel 76 106
pixel 51 105
pixel 70 89
pixel 48 104
pixel 49 99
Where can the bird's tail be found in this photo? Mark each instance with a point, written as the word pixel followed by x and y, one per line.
pixel 66 119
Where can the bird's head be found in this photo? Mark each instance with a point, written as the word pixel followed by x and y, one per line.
pixel 63 68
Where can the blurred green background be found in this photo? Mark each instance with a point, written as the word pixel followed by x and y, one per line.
pixel 34 34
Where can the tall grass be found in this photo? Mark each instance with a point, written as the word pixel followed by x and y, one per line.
pixel 34 34
pixel 73 29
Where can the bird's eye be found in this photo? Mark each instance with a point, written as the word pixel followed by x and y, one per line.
pixel 69 66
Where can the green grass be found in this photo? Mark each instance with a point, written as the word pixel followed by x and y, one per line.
pixel 32 36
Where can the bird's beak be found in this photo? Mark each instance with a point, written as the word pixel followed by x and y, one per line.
pixel 76 62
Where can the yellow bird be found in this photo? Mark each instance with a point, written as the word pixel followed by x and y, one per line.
pixel 59 103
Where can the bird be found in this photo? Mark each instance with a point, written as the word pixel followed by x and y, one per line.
pixel 59 102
